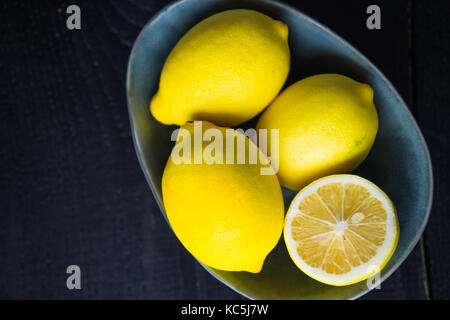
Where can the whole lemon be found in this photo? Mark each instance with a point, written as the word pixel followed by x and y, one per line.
pixel 226 70
pixel 229 216
pixel 327 124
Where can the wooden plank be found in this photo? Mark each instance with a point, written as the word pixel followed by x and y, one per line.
pixel 432 77
pixel 72 190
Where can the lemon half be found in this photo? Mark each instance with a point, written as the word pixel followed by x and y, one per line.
pixel 341 229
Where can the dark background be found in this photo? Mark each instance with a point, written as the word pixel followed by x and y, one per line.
pixel 72 192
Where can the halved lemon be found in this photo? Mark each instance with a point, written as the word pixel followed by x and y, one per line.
pixel 341 229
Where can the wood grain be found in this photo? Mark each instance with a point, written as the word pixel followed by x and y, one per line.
pixel 71 188
pixel 432 97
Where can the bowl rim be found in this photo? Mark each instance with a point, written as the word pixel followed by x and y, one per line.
pixel 288 7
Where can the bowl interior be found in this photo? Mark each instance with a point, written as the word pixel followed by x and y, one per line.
pixel 398 163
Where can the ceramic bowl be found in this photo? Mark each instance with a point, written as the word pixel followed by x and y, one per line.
pixel 399 161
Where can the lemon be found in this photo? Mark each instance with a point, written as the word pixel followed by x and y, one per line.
pixel 226 70
pixel 341 229
pixel 229 216
pixel 327 125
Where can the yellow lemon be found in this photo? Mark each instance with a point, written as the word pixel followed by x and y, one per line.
pixel 226 70
pixel 327 124
pixel 341 229
pixel 230 215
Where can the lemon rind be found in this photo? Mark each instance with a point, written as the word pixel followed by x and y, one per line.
pixel 364 271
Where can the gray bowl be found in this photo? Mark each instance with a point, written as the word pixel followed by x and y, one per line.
pixel 399 162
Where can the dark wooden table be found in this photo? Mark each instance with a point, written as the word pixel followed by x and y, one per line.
pixel 72 192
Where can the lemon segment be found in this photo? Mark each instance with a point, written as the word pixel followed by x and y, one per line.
pixel 341 229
